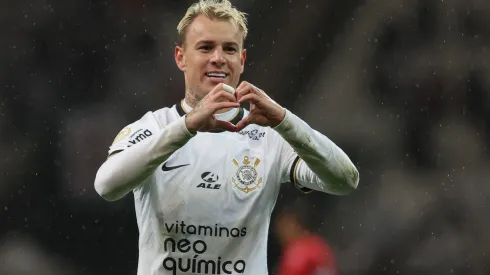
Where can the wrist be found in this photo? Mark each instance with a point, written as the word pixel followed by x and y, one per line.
pixel 281 117
pixel 190 128
pixel 285 124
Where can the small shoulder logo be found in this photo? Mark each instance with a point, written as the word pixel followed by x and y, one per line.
pixel 246 178
pixel 124 133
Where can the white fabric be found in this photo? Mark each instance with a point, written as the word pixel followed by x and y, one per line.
pixel 211 214
pixel 323 165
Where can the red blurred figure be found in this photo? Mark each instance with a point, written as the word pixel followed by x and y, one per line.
pixel 303 252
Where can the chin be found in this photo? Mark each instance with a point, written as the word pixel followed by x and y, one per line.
pixel 214 82
pixel 207 86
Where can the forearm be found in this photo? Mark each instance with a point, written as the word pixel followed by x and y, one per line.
pixel 127 170
pixel 333 171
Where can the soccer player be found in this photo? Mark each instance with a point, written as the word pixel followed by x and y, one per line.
pixel 205 173
pixel 303 252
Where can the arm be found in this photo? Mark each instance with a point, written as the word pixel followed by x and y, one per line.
pixel 127 170
pixel 327 168
pixel 320 164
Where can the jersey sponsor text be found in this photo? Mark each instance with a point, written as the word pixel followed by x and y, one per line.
pixel 193 259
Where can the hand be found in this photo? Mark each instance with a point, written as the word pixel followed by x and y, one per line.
pixel 263 110
pixel 202 119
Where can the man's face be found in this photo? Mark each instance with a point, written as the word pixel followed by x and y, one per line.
pixel 212 54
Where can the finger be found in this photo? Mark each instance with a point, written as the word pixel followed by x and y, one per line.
pixel 241 93
pixel 223 95
pixel 224 105
pixel 251 107
pixel 243 123
pixel 242 90
pixel 229 89
pixel 261 92
pixel 225 125
pixel 221 87
pixel 253 98
pixel 216 89
pixel 242 84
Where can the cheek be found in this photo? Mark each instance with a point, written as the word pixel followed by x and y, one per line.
pixel 236 64
pixel 195 63
pixel 196 70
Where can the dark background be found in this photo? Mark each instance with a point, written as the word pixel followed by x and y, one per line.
pixel 401 85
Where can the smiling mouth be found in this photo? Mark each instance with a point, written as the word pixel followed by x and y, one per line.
pixel 217 75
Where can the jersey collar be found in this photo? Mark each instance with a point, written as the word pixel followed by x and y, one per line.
pixel 234 115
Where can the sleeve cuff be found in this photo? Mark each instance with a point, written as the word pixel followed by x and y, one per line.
pixel 183 127
pixel 285 124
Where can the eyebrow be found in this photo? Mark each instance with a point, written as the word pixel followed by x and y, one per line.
pixel 207 42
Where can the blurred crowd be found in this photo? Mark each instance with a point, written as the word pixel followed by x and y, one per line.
pixel 402 85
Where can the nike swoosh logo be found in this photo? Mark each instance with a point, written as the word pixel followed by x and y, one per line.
pixel 168 168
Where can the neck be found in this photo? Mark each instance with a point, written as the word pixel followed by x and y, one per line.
pixel 191 99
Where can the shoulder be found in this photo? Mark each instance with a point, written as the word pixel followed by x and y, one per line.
pixel 142 128
pixel 157 119
pixel 165 114
pixel 149 121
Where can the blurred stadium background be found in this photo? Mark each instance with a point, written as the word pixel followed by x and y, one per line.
pixel 402 85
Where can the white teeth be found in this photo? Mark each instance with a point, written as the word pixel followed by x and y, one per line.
pixel 216 75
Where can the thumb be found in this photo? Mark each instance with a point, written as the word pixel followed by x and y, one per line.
pixel 244 122
pixel 225 125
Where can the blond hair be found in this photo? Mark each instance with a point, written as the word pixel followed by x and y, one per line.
pixel 213 9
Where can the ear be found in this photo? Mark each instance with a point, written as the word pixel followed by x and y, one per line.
pixel 180 58
pixel 242 60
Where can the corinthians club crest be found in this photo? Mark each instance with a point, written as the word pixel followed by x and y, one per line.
pixel 246 177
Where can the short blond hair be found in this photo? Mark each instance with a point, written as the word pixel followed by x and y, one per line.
pixel 213 9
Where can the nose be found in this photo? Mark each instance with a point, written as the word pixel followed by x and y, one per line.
pixel 218 57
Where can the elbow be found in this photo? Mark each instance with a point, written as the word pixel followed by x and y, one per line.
pixel 102 187
pixel 104 192
pixel 351 180
pixel 346 184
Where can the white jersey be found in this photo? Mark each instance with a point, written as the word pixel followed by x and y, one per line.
pixel 207 208
pixel 203 202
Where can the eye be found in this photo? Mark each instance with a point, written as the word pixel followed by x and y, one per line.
pixel 230 49
pixel 205 48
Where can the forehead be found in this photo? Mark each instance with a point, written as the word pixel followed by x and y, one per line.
pixel 204 28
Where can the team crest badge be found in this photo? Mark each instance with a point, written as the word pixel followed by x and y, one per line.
pixel 246 177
